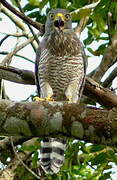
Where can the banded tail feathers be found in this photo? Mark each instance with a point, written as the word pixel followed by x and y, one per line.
pixel 52 154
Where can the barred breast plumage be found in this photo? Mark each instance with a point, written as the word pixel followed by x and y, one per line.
pixel 62 63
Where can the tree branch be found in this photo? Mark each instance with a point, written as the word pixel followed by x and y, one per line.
pixel 17 55
pixel 100 94
pixel 81 25
pixel 92 89
pixel 37 25
pixel 89 6
pixel 10 55
pixel 108 81
pixel 18 22
pixel 109 58
pixel 17 75
pixel 14 19
pixel 58 119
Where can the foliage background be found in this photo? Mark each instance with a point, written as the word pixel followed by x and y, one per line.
pixel 83 160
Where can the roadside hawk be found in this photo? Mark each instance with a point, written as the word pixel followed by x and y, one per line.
pixel 60 71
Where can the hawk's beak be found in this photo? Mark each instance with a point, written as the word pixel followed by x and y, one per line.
pixel 59 21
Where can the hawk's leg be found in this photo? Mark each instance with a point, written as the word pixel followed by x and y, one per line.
pixel 46 93
pixel 72 92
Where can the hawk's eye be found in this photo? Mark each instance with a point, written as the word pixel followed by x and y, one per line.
pixel 51 15
pixel 67 16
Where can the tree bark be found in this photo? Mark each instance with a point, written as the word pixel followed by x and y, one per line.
pixel 53 119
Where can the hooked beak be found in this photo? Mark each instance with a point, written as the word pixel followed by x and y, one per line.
pixel 59 21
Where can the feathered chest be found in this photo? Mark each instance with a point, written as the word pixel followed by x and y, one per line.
pixel 63 44
pixel 62 51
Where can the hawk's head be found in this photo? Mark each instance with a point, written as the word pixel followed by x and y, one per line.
pixel 58 19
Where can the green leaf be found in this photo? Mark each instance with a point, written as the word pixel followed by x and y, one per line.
pixel 62 4
pixel 30 148
pixel 53 3
pixel 33 14
pixel 40 18
pixel 99 159
pixel 80 14
pixel 35 159
pixel 99 51
pixel 89 39
pixel 94 31
pixel 43 3
pixel 14 2
pixel 28 7
pixel 100 23
pixel 96 148
pixel 90 50
pixel 34 3
pixel 105 176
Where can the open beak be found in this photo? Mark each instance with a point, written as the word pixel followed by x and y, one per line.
pixel 59 21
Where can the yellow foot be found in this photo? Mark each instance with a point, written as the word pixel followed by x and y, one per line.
pixel 41 99
pixel 38 99
pixel 49 98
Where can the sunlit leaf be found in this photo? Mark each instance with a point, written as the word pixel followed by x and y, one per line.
pixel 34 2
pixel 96 148
pixel 80 14
pixel 14 2
pixel 30 148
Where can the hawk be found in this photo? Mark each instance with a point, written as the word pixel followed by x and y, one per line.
pixel 60 71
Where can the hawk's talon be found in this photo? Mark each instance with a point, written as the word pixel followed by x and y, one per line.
pixel 49 98
pixel 41 99
pixel 38 99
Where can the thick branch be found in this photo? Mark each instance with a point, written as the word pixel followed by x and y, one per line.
pixel 37 25
pixel 109 58
pixel 108 81
pixel 100 94
pixel 58 119
pixel 17 75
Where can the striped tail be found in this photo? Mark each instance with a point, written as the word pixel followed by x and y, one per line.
pixel 52 154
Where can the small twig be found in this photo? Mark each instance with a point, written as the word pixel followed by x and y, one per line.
pixel 4 39
pixel 37 25
pixel 33 33
pixel 81 25
pixel 10 55
pixel 17 34
pixel 14 19
pixel 89 6
pixel 18 55
pixel 26 167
